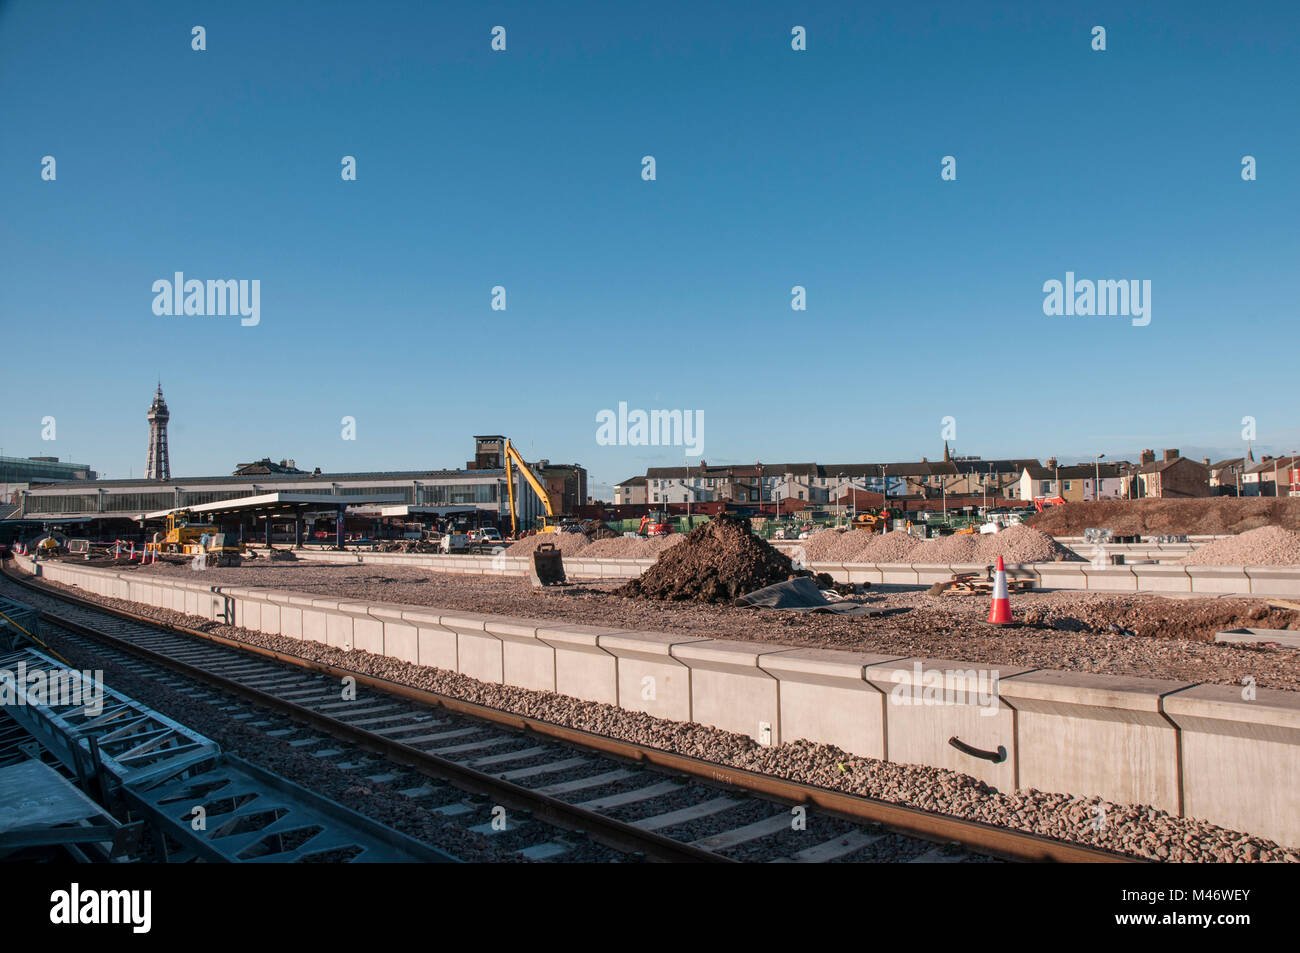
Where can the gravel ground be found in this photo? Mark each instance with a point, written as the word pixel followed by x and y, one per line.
pixel 1135 829
pixel 1266 546
pixel 1172 638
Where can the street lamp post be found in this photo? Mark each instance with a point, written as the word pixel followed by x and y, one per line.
pixel 839 499
pixel 1096 486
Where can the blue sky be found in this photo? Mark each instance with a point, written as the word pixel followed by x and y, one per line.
pixel 775 168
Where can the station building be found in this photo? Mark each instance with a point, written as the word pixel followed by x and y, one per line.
pixel 474 496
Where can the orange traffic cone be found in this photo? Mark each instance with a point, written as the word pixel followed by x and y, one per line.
pixel 1000 613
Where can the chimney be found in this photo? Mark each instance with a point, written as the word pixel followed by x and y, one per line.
pixel 1205 461
pixel 1051 463
pixel 1170 455
pixel 1148 456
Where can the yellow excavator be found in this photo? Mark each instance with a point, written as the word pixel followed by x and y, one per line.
pixel 550 523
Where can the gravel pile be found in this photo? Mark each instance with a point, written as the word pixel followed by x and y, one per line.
pixel 894 547
pixel 964 548
pixel 625 548
pixel 832 547
pixel 1203 516
pixel 825 546
pixel 566 543
pixel 1018 544
pixel 1266 546
pixel 716 562
pixel 1135 829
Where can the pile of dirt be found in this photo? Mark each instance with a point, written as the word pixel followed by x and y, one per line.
pixel 716 562
pixel 596 530
pixel 567 543
pixel 1266 546
pixel 1201 516
pixel 281 555
pixel 624 547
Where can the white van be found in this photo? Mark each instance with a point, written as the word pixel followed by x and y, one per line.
pixel 454 542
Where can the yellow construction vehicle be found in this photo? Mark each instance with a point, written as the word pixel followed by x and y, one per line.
pixel 184 535
pixel 875 522
pixel 549 522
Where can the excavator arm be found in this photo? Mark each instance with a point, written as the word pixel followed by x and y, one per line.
pixel 512 456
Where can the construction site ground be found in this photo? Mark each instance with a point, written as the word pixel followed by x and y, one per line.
pixel 1117 634
pixel 1197 516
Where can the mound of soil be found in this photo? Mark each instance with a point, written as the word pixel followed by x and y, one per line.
pixel 595 529
pixel 1202 516
pixel 716 562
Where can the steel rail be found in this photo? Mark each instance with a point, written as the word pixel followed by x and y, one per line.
pixel 990 839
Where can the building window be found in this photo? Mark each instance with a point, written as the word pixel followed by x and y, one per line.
pixel 1067 483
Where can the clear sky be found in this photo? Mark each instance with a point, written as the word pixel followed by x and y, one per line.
pixel 523 169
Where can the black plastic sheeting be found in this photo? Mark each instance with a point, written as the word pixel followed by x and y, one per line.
pixel 802 595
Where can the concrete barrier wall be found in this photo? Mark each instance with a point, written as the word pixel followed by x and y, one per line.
pixel 1266 582
pixel 1202 751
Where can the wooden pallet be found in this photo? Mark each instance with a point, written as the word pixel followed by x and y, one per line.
pixel 968 583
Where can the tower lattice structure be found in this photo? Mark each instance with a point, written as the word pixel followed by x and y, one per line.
pixel 158 466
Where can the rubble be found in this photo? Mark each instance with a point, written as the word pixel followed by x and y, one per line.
pixel 716 562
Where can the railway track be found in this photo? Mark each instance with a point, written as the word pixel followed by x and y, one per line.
pixel 547 787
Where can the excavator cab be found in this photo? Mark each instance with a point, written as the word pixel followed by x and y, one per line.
pixel 655 523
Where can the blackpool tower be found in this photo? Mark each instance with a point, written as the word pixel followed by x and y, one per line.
pixel 158 466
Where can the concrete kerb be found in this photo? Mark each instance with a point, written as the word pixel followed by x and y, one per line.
pixel 650 679
pixel 478 652
pixel 1219 579
pixel 826 698
pixel 930 701
pixel 1162 578
pixel 436 644
pixel 1076 731
pixel 729 689
pixel 1240 758
pixel 526 661
pixel 583 669
pixel 1110 578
